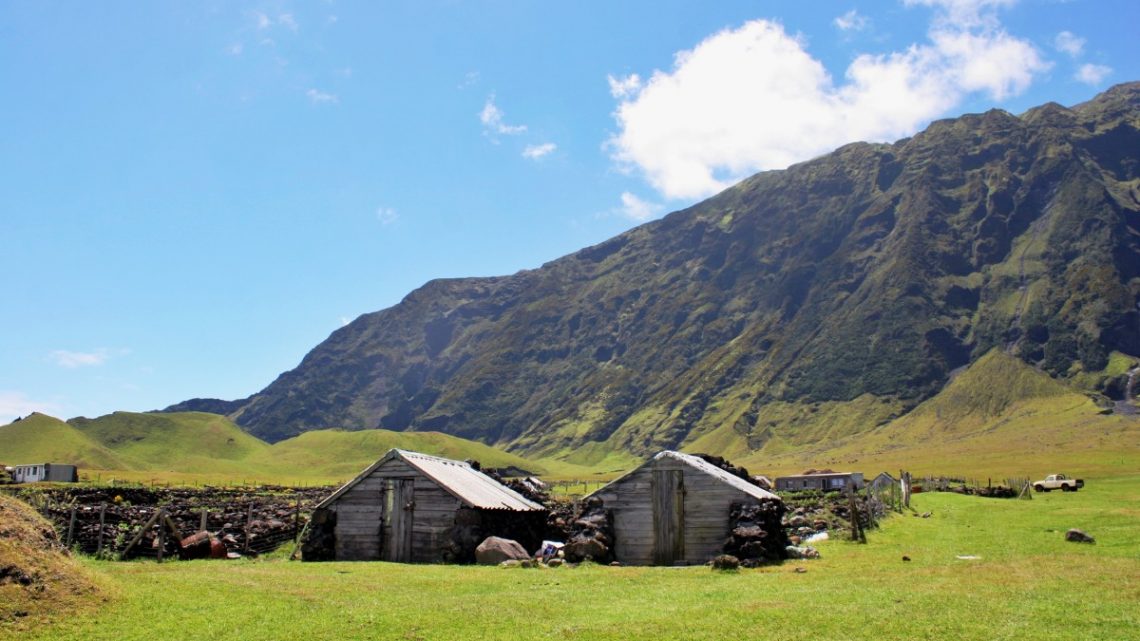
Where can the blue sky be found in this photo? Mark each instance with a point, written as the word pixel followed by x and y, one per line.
pixel 195 194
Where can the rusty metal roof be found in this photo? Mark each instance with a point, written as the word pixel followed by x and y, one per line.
pixel 717 473
pixel 458 478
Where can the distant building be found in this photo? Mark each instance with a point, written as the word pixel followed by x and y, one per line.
pixel 882 481
pixel 824 481
pixel 45 472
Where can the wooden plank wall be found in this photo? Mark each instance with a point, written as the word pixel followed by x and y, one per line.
pixel 361 528
pixel 707 502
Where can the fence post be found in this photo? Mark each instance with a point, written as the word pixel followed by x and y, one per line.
pixel 205 513
pixel 297 520
pixel 71 527
pixel 102 519
pixel 161 534
pixel 245 530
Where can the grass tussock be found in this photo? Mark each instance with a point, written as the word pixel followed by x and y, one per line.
pixel 39 581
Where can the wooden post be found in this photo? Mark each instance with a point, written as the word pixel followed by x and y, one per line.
pixel 297 520
pixel 71 528
pixel 138 537
pixel 161 535
pixel 102 519
pixel 202 525
pixel 248 518
pixel 856 528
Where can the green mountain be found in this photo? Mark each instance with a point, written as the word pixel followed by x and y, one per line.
pixel 854 285
pixel 40 438
pixel 199 445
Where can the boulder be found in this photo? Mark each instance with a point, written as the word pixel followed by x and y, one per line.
pixel 725 562
pixel 494 550
pixel 1077 536
pixel 805 552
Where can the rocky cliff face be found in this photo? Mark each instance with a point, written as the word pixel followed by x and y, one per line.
pixel 875 270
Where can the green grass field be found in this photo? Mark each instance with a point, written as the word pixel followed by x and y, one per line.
pixel 1027 583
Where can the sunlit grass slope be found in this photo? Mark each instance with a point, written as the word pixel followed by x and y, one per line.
pixel 43 439
pixel 999 418
pixel 196 447
pixel 343 453
pixel 182 442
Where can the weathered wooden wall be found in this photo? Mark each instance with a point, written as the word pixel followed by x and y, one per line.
pixel 703 511
pixel 364 532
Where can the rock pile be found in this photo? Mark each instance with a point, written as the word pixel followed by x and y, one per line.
pixel 757 534
pixel 591 534
pixel 727 466
pixel 247 521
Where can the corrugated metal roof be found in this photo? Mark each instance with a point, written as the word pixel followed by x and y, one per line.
pixel 469 485
pixel 719 474
pixel 707 468
pixel 458 478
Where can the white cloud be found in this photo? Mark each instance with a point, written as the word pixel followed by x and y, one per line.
pixel 470 79
pixel 964 13
pixel 1066 42
pixel 317 96
pixel 851 21
pixel 637 209
pixel 386 215
pixel 534 152
pixel 72 360
pixel 332 19
pixel 288 21
pixel 263 21
pixel 753 98
pixel 492 118
pixel 1091 74
pixel 235 49
pixel 15 404
pixel 624 87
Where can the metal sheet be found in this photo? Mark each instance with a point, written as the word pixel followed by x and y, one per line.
pixel 467 484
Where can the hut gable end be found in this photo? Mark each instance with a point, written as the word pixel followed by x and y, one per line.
pixel 405 507
pixel 674 509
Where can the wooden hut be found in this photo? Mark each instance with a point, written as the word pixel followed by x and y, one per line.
pixel 675 509
pixel 413 507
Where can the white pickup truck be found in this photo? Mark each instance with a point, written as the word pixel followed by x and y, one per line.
pixel 1058 482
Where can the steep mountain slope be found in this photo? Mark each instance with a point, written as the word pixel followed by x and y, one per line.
pixel 865 276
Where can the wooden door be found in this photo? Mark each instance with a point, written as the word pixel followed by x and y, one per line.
pixel 399 514
pixel 668 489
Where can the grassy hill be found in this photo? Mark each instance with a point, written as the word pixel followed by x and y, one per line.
pixel 185 442
pixel 43 439
pixel 342 453
pixel 202 447
pixel 1000 417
